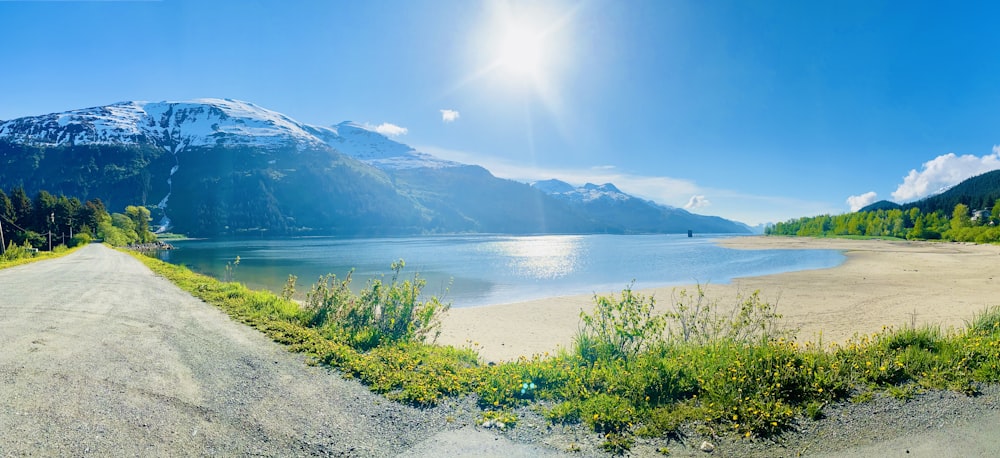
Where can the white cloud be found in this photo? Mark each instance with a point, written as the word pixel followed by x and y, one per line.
pixel 388 129
pixel 944 171
pixel 449 115
pixel 862 201
pixel 696 202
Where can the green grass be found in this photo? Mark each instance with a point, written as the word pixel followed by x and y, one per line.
pixel 12 258
pixel 640 380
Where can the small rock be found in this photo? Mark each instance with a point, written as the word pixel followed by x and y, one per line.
pixel 707 447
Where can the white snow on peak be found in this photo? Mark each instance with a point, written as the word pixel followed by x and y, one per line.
pixel 175 125
pixel 200 122
pixel 587 193
pixel 363 143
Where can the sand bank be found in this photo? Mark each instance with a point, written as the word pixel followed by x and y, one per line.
pixel 882 283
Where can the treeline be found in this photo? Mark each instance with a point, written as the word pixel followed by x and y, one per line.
pixel 47 221
pixel 963 225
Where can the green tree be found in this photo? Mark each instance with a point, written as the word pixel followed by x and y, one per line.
pixel 140 217
pixel 918 231
pixel 995 214
pixel 6 206
pixel 92 213
pixel 126 226
pixel 44 209
pixel 112 235
pixel 22 205
pixel 960 217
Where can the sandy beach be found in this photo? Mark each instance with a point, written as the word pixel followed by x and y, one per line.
pixel 882 283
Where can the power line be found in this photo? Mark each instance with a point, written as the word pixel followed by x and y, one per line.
pixel 13 223
pixel 3 244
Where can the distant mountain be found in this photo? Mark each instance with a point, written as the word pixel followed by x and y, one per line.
pixel 881 205
pixel 214 166
pixel 979 193
pixel 626 213
pixel 207 166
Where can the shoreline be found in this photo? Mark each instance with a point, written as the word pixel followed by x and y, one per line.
pixel 880 284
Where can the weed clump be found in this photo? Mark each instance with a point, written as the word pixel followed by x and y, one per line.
pixel 619 328
pixel 382 313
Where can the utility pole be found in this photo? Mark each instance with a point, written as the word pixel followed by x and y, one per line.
pixel 52 220
pixel 3 245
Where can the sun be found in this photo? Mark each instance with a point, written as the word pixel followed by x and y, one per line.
pixel 521 52
pixel 523 44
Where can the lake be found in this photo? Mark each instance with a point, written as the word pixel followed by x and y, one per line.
pixel 472 270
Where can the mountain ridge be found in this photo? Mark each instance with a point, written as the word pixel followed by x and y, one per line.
pixel 216 166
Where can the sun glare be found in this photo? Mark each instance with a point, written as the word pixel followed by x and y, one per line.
pixel 523 45
pixel 521 52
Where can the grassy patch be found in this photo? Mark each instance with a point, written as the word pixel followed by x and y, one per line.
pixel 632 371
pixel 15 255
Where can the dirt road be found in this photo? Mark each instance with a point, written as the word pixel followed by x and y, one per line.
pixel 102 358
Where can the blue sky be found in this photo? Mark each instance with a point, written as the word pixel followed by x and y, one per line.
pixel 752 110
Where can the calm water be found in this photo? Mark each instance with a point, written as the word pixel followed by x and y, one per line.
pixel 483 269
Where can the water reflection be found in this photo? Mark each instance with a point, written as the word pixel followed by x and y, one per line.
pixel 540 257
pixel 472 270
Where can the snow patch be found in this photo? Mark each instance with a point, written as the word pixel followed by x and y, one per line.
pixel 587 193
pixel 175 126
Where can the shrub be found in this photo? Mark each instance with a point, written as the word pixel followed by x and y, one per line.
pixel 381 313
pixel 15 252
pixel 79 239
pixel 619 328
pixel 697 319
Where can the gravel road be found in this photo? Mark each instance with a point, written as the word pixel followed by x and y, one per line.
pixel 102 358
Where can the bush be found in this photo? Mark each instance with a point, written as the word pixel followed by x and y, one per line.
pixel 619 328
pixel 696 319
pixel 15 252
pixel 381 313
pixel 79 240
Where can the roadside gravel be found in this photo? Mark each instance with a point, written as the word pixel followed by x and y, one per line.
pixel 102 358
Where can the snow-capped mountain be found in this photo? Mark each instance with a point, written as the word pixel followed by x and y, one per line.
pixel 633 214
pixel 587 193
pixel 209 123
pixel 171 125
pixel 222 166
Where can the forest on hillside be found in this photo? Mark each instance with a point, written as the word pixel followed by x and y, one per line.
pixel 964 224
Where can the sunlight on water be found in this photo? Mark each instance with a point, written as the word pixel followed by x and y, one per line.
pixel 471 270
pixel 541 257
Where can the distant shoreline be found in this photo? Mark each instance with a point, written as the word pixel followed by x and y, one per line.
pixel 882 283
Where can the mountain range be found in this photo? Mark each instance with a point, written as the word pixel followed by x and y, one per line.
pixel 220 166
